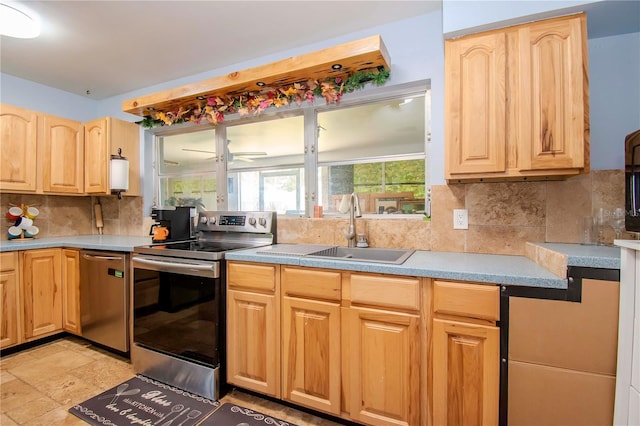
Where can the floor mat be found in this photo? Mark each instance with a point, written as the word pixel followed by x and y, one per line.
pixel 144 401
pixel 234 415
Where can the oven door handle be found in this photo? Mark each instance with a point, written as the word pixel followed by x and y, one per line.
pixel 175 265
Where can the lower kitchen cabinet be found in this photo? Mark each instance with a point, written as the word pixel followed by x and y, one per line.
pixel 71 290
pixel 10 319
pixel 42 292
pixel 465 354
pixel 466 373
pixel 384 367
pixel 311 353
pixel 311 338
pixel 253 327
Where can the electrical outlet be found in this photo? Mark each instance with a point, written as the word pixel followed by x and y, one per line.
pixel 460 219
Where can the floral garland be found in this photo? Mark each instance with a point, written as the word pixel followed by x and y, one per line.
pixel 215 108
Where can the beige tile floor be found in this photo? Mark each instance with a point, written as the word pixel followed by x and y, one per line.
pixel 39 385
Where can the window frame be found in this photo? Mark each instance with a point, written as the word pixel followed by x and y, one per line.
pixel 311 164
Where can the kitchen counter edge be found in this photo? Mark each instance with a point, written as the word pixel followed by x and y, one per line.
pixel 483 268
pixel 93 242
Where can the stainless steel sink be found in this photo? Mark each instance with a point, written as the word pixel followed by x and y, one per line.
pixel 376 255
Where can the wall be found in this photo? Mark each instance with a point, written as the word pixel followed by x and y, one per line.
pixel 27 94
pixel 614 70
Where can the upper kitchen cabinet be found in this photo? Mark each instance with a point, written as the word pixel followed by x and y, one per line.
pixel 63 155
pixel 18 145
pixel 103 137
pixel 517 103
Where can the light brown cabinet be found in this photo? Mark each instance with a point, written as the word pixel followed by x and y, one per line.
pixel 311 338
pixel 10 315
pixel 45 154
pixel 517 102
pixel 384 369
pixel 42 292
pixel 351 343
pixel 103 137
pixel 466 354
pixel 70 270
pixel 62 155
pixel 18 147
pixel 253 327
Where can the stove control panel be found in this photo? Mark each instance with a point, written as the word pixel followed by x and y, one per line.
pixel 235 221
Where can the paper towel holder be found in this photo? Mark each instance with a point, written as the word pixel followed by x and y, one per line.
pixel 119 174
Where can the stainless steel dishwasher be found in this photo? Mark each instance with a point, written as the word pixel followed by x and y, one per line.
pixel 104 298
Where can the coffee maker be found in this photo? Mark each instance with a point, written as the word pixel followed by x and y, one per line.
pixel 179 222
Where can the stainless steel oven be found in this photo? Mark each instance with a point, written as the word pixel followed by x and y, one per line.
pixel 179 299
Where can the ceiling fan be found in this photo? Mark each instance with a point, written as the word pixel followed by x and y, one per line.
pixel 241 156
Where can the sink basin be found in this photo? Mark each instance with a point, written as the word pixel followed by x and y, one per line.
pixel 376 255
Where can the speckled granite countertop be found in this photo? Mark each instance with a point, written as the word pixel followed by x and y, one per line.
pixel 488 268
pixel 93 242
pixel 544 265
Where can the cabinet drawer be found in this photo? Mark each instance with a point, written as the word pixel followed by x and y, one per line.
pixel 9 261
pixel 311 283
pixel 468 300
pixel 251 276
pixel 393 292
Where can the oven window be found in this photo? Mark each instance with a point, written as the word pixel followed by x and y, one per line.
pixel 177 314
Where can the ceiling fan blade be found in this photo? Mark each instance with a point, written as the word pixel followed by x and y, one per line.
pixel 198 150
pixel 250 153
pixel 245 159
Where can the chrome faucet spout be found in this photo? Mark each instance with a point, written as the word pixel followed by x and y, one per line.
pixel 354 212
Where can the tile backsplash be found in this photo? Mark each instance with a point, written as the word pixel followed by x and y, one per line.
pixel 503 217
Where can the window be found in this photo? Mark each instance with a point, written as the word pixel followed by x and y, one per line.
pixel 186 169
pixel 290 161
pixel 265 165
pixel 376 150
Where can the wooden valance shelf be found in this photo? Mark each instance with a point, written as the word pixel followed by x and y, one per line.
pixel 354 56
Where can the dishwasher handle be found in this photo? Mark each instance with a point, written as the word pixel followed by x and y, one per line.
pixel 99 257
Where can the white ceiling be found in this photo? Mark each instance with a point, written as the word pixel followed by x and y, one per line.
pixel 101 49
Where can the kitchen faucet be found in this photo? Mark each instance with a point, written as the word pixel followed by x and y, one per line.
pixel 354 211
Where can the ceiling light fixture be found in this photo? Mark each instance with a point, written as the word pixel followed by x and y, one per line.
pixel 17 21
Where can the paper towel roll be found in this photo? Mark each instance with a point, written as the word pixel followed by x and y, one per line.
pixel 98 213
pixel 119 174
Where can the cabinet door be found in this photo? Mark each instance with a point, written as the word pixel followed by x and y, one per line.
pixel 553 94
pixel 96 157
pixel 18 147
pixel 9 300
pixel 475 104
pixel 41 281
pixel 466 373
pixel 311 353
pixel 384 357
pixel 71 290
pixel 253 342
pixel 63 155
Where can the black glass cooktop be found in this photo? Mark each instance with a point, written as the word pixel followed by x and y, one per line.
pixel 208 250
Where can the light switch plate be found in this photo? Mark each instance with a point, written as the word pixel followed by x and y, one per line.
pixel 460 219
